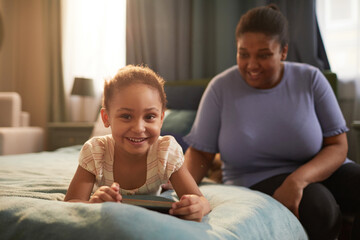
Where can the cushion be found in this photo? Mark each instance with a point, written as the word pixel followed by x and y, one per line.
pixel 185 94
pixel 178 123
pixel 10 104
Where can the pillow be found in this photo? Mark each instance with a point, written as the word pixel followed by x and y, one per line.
pixel 178 123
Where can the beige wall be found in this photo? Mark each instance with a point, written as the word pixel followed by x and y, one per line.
pixel 22 56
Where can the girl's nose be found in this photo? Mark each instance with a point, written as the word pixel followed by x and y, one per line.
pixel 139 126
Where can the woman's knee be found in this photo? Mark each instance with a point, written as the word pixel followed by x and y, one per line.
pixel 319 213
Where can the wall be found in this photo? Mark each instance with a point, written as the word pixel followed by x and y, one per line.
pixel 22 56
pixel 23 64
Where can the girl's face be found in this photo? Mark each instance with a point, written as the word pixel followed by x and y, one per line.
pixel 259 59
pixel 135 115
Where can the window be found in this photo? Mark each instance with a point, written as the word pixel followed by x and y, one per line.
pixel 93 44
pixel 340 28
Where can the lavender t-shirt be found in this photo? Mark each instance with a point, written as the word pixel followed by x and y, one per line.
pixel 264 132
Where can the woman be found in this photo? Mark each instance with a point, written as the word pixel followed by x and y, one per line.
pixel 278 128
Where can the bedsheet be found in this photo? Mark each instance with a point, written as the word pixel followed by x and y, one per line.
pixel 32 187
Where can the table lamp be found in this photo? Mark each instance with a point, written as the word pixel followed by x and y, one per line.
pixel 83 87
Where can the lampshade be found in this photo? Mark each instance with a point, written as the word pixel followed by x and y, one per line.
pixel 83 87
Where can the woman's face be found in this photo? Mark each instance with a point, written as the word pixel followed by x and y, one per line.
pixel 259 59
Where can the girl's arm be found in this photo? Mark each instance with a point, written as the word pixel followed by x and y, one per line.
pixel 322 166
pixel 198 163
pixel 192 205
pixel 82 184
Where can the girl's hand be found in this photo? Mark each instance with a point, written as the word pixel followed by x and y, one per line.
pixel 107 194
pixel 191 207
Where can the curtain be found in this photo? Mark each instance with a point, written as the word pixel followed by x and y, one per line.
pixel 305 44
pixel 56 93
pixel 191 39
pixel 24 63
pixel 1 30
pixel 180 39
pixel 157 34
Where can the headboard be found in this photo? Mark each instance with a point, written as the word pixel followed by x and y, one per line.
pixel 185 95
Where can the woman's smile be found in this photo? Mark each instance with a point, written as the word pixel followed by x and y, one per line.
pixel 254 75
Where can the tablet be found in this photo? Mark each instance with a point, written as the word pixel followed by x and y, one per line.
pixel 155 203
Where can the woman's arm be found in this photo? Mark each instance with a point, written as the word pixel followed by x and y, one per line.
pixel 198 163
pixel 325 163
pixel 192 205
pixel 322 166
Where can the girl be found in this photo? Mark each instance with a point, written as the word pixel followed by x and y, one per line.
pixel 135 159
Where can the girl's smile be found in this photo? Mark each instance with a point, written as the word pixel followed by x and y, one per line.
pixel 136 140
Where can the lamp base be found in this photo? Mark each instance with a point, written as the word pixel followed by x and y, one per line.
pixel 83 109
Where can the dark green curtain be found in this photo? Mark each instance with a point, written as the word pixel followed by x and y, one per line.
pixel 158 34
pixel 305 44
pixel 192 39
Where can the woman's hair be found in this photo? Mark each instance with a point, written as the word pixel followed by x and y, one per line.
pixel 267 20
pixel 129 75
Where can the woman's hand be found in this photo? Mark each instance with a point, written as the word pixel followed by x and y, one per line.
pixel 289 194
pixel 107 194
pixel 325 163
pixel 191 207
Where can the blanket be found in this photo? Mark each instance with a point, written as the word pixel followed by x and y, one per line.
pixel 32 187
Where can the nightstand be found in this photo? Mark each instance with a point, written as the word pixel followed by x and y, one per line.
pixel 64 134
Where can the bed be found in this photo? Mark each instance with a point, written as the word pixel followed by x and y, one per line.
pixel 33 186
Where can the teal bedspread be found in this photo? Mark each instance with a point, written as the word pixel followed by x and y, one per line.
pixel 32 187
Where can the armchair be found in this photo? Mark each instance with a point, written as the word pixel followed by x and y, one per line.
pixel 16 136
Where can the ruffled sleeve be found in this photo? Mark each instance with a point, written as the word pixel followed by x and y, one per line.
pixel 327 107
pixel 92 156
pixel 336 132
pixel 170 157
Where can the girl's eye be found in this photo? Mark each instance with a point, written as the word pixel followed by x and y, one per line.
pixel 125 116
pixel 150 117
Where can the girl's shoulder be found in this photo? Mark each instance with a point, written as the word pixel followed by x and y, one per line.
pixel 167 142
pixel 168 154
pixel 167 148
pixel 99 143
